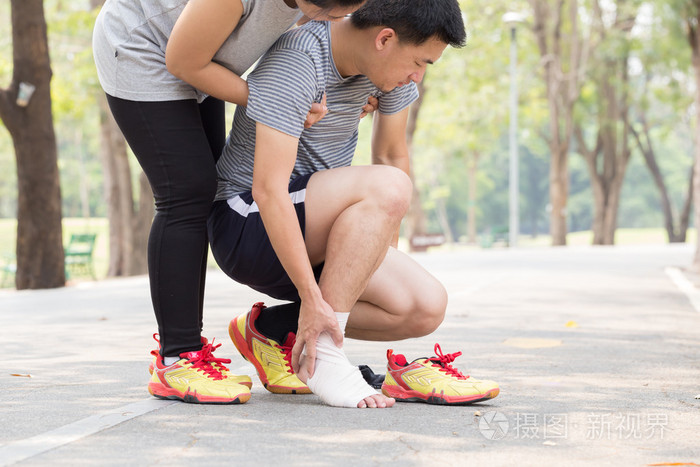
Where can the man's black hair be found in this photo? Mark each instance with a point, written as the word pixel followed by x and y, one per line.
pixel 415 21
pixel 328 4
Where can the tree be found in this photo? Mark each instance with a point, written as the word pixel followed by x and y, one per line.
pixel 557 29
pixel 129 223
pixel 28 118
pixel 608 159
pixel 691 15
pixel 416 223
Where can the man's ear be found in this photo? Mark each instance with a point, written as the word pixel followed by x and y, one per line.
pixel 384 37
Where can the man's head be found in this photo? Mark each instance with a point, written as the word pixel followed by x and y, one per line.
pixel 408 35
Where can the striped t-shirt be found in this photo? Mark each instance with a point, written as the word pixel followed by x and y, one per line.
pixel 293 74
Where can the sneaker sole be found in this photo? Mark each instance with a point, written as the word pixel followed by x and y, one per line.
pixel 242 346
pixel 435 398
pixel 161 391
pixel 247 383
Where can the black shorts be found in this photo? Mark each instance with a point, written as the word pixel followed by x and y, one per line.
pixel 242 248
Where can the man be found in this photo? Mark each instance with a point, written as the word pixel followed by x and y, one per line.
pixel 293 220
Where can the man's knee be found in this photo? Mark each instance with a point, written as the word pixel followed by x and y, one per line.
pixel 391 188
pixel 429 311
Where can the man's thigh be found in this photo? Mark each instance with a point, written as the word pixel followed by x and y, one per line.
pixel 330 192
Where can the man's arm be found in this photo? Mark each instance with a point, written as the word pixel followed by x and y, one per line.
pixel 389 144
pixel 275 154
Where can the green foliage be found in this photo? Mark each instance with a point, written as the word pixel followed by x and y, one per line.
pixel 464 117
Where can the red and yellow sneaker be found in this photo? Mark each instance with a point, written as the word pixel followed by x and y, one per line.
pixel 273 361
pixel 199 378
pixel 433 380
pixel 240 379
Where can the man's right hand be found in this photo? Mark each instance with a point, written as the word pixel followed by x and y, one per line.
pixel 315 316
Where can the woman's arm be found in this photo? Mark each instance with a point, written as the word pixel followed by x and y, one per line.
pixel 201 29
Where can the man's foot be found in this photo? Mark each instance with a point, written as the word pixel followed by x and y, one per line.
pixel 433 380
pixel 240 379
pixel 273 361
pixel 338 382
pixel 199 378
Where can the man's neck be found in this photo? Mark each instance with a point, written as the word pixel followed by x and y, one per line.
pixel 346 46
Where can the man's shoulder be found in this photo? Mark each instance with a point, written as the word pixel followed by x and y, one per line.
pixel 310 38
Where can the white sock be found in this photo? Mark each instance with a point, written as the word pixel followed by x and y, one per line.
pixel 167 361
pixel 337 381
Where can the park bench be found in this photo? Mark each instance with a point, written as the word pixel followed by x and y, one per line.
pixel 78 254
pixel 421 242
pixel 78 259
pixel 8 269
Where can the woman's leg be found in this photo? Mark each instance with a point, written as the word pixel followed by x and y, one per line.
pixel 171 144
pixel 213 115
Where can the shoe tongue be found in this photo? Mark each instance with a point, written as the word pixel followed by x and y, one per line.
pixel 400 359
pixel 191 355
pixel 289 340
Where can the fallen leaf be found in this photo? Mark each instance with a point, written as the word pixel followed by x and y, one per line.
pixel 21 375
pixel 571 324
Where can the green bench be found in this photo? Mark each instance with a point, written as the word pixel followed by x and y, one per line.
pixel 78 254
pixel 78 259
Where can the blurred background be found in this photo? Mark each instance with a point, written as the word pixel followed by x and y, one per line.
pixel 561 122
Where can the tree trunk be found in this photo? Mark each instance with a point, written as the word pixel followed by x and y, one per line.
pixel 416 223
pixel 563 90
pixel 471 202
pixel 694 41
pixel 129 225
pixel 685 214
pixel 40 261
pixel 608 162
pixel 647 150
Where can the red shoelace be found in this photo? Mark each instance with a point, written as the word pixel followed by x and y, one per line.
pixel 443 363
pixel 204 361
pixel 286 348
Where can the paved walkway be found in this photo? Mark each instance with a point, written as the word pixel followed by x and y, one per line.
pixel 597 351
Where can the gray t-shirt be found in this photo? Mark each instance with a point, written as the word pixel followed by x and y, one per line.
pixel 130 37
pixel 293 74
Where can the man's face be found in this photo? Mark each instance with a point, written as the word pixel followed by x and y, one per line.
pixel 399 64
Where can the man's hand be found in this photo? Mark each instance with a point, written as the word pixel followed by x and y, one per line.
pixel 371 105
pixel 314 318
pixel 317 112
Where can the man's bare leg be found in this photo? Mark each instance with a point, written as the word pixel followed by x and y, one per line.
pixel 351 216
pixel 401 300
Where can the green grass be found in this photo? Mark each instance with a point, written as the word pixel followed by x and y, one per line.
pixel 99 226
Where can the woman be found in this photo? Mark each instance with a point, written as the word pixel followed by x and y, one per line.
pixel 157 61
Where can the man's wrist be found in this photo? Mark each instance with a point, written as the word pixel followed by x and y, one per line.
pixel 310 293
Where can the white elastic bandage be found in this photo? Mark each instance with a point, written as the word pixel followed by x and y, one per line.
pixel 337 381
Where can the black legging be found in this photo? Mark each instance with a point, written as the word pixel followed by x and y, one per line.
pixel 177 144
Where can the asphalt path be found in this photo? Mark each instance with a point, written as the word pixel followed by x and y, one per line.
pixel 596 351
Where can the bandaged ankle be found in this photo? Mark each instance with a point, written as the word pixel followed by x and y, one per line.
pixel 336 381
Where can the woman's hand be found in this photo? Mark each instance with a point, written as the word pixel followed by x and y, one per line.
pixel 371 105
pixel 317 112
